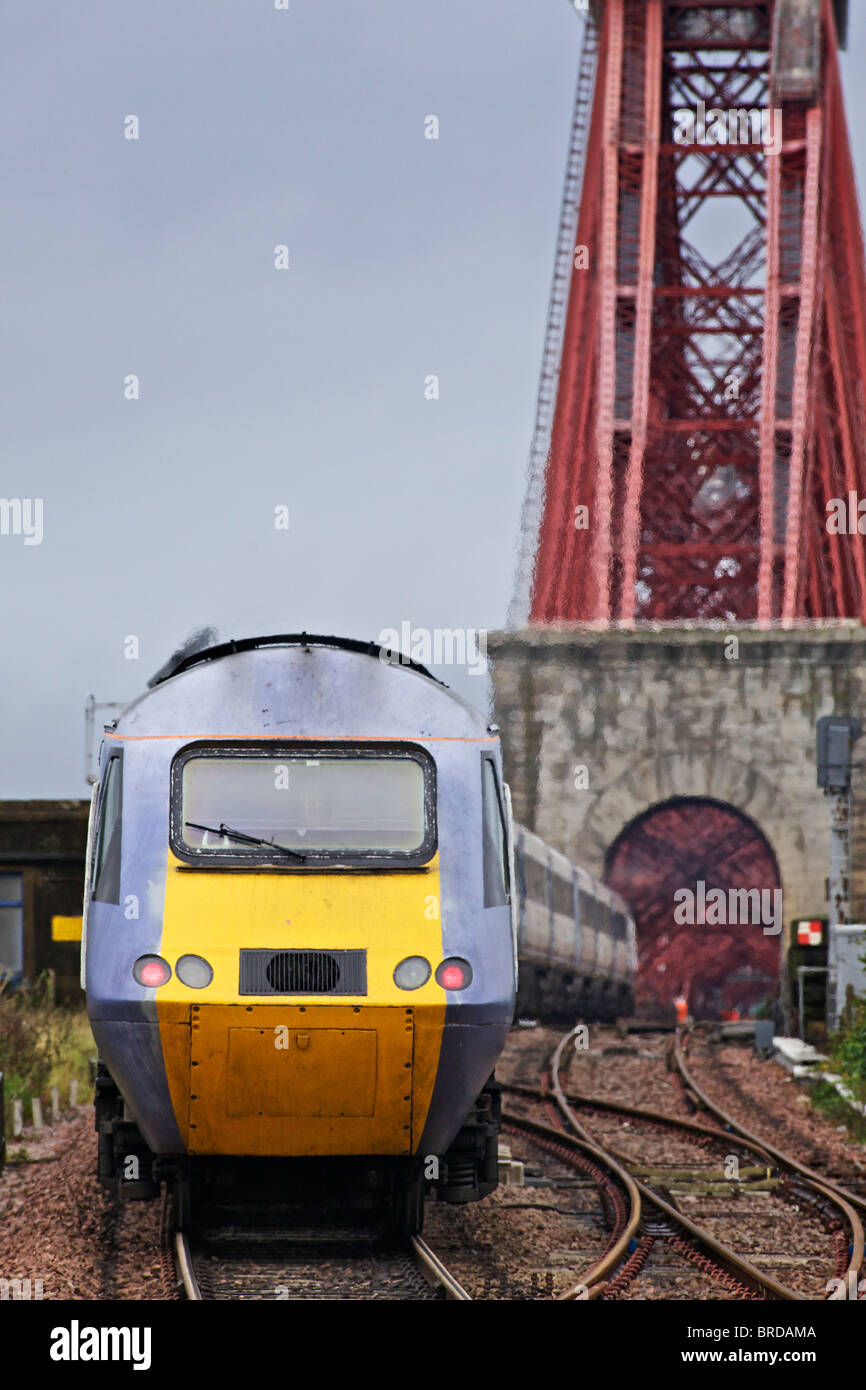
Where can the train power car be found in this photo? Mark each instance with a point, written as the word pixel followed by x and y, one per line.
pixel 576 939
pixel 299 946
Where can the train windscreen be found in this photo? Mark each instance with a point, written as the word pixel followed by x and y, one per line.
pixel 303 804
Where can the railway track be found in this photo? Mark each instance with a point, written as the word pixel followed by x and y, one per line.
pixel 700 1101
pixel 652 1218
pixel 660 1207
pixel 658 1215
pixel 241 1264
pixel 619 1194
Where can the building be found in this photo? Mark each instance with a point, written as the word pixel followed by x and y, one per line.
pixel 42 856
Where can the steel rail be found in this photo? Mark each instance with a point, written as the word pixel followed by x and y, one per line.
pixel 184 1264
pixel 637 1112
pixel 595 1279
pixel 704 1102
pixel 769 1156
pixel 431 1265
pixel 844 1200
pixel 426 1259
pixel 728 1259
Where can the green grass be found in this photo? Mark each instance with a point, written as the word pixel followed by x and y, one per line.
pixel 826 1098
pixel 20 1155
pixel 847 1053
pixel 77 1048
pixel 42 1045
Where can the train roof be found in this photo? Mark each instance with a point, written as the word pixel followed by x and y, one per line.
pixel 299 686
pixel 187 656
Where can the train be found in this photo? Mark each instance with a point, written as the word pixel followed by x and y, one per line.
pixel 303 906
pixel 576 939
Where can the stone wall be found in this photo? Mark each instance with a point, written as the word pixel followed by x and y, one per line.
pixel 675 711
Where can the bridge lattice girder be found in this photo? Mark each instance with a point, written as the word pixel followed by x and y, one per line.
pixel 702 394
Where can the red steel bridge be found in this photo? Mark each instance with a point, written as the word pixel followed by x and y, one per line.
pixel 702 389
pixel 701 416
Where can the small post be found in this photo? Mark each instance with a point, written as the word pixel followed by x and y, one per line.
pixel 17 1119
pixel 836 736
pixel 73 1094
pixel 37 1113
pixel 55 1104
pixel 801 1005
pixel 802 972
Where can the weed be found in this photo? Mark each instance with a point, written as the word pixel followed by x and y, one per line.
pixel 41 1045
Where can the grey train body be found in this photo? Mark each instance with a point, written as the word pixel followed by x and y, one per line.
pixel 575 938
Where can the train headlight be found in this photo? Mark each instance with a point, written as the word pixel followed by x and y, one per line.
pixel 412 973
pixel 454 973
pixel 151 971
pixel 194 971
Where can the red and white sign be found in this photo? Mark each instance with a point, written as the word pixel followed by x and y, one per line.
pixel 810 933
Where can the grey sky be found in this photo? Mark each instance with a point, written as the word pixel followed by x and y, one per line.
pixel 261 387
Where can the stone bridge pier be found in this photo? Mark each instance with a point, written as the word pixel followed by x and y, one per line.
pixel 670 756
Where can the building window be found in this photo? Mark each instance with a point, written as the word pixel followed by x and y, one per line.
pixel 11 925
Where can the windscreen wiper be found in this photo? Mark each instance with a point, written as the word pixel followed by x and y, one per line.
pixel 247 839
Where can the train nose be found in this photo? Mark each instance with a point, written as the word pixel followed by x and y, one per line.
pixel 301 1079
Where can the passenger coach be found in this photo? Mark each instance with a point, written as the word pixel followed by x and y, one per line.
pixel 576 939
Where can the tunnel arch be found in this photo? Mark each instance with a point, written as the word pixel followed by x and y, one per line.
pixel 662 856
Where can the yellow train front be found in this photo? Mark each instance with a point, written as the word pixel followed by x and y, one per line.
pixel 299 950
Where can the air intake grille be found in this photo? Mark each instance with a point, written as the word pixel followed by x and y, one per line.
pixel 303 972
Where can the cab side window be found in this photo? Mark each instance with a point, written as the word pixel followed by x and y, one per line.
pixel 106 852
pixel 495 850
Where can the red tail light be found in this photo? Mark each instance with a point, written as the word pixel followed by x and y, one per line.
pixel 454 973
pixel 151 971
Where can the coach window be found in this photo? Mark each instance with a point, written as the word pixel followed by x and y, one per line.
pixel 537 881
pixel 106 855
pixel 495 849
pixel 520 872
pixel 563 896
pixel 588 906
